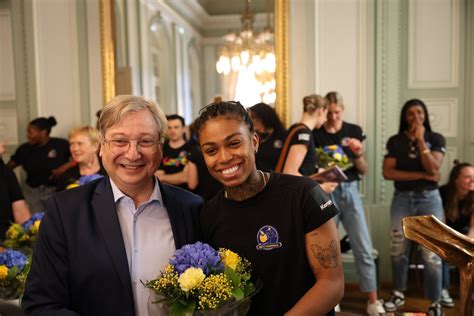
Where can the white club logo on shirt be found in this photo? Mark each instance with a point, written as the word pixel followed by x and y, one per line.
pixel 303 137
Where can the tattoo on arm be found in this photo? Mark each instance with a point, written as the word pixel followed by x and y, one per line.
pixel 327 257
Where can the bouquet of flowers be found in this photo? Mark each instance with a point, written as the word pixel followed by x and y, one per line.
pixel 84 179
pixel 14 268
pixel 23 236
pixel 200 280
pixel 333 155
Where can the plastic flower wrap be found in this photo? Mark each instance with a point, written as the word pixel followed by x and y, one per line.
pixel 333 155
pixel 200 280
pixel 23 236
pixel 84 179
pixel 14 267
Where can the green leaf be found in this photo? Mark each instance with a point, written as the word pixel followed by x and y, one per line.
pixel 238 293
pixel 233 277
pixel 182 308
pixel 249 288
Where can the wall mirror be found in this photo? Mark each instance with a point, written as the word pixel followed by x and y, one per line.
pixel 119 73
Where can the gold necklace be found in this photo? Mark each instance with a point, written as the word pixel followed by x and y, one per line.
pixel 264 184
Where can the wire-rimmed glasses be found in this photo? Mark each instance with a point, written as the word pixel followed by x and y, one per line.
pixel 121 145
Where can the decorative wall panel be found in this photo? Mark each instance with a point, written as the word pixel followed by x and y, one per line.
pixel 443 115
pixel 433 47
pixel 7 75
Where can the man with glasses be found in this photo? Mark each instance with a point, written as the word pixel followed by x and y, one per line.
pixel 98 242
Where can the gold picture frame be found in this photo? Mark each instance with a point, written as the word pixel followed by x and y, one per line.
pixel 281 51
pixel 107 49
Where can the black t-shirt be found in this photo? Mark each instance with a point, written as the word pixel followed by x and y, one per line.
pixel 39 161
pixel 462 223
pixel 408 158
pixel 269 230
pixel 175 159
pixel 208 186
pixel 305 137
pixel 269 150
pixel 323 138
pixel 71 176
pixel 10 192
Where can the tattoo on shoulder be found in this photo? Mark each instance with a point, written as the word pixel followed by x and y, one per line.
pixel 327 257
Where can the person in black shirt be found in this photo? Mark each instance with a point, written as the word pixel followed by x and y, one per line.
pixel 413 161
pixel 44 158
pixel 349 137
pixel 199 179
pixel 301 159
pixel 458 203
pixel 281 223
pixel 84 144
pixel 271 134
pixel 175 154
pixel 13 208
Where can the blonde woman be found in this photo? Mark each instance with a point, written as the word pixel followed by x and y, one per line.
pixel 84 145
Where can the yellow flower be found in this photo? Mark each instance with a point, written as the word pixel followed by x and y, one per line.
pixel 35 227
pixel 3 271
pixel 72 185
pixel 337 156
pixel 13 231
pixel 191 278
pixel 230 259
pixel 332 147
pixel 214 290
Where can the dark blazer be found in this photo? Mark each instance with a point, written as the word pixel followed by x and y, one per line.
pixel 79 262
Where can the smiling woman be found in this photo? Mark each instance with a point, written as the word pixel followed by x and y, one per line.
pixel 274 220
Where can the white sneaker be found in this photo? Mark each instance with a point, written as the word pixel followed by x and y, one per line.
pixel 337 308
pixel 446 300
pixel 375 309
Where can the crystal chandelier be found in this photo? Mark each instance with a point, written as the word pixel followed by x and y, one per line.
pixel 253 52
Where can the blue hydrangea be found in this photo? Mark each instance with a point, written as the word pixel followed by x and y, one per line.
pixel 12 258
pixel 88 178
pixel 198 255
pixel 38 216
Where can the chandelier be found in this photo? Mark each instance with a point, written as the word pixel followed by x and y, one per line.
pixel 253 52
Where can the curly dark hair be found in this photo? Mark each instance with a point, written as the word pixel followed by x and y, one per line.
pixel 226 108
pixel 44 124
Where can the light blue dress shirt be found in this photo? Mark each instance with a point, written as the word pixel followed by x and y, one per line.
pixel 149 244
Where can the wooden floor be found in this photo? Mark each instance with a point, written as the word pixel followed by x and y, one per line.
pixel 355 302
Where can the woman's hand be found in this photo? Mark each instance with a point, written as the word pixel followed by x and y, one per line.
pixel 329 187
pixel 355 146
pixel 418 131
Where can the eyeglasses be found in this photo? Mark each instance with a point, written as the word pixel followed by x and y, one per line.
pixel 145 146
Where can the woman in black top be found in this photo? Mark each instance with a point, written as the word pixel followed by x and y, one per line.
pixel 84 145
pixel 280 223
pixel 43 158
pixel 271 133
pixel 458 204
pixel 301 159
pixel 413 162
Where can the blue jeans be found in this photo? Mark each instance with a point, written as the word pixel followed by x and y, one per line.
pixel 412 203
pixel 352 215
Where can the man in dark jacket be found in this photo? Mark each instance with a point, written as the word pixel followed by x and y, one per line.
pixel 97 242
